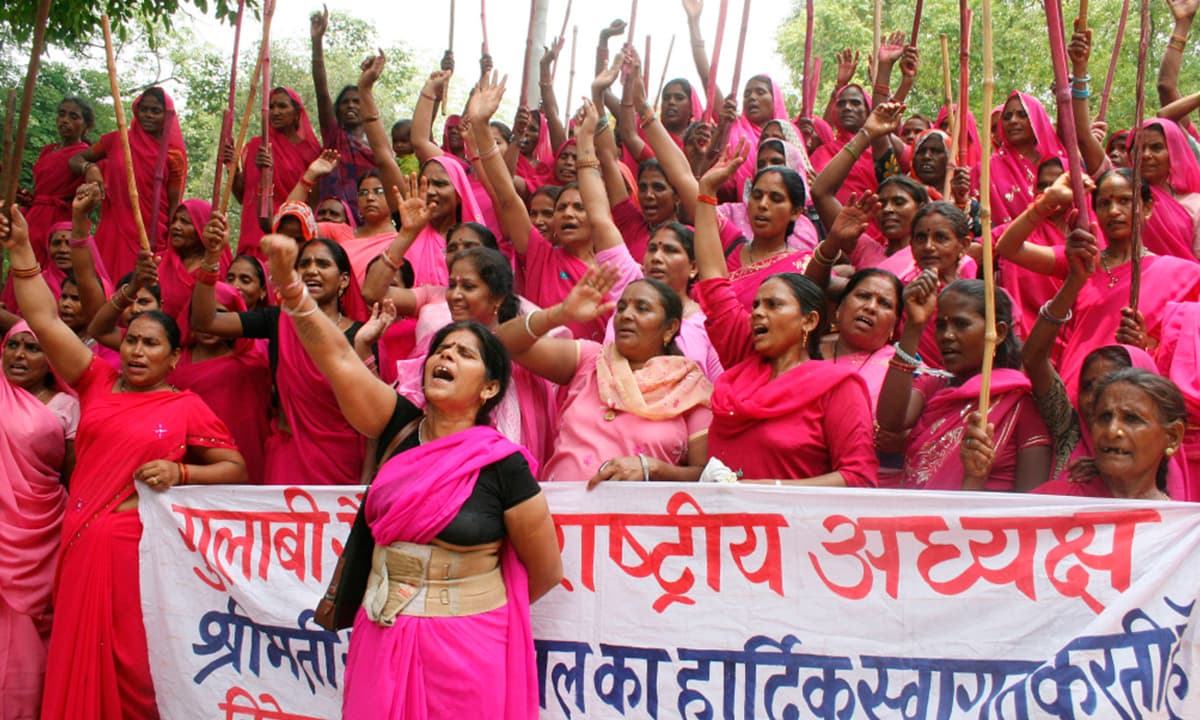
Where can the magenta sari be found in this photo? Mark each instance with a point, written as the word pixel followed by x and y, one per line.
pixel 1029 289
pixel 862 173
pixel 416 494
pixel 157 163
pixel 428 252
pixel 174 279
pixel 1179 359
pixel 744 129
pixel 1013 175
pixel 32 501
pixel 289 161
pixel 54 186
pixel 745 280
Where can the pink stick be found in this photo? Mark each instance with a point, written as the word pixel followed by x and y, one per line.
pixel 632 21
pixel 916 23
pixel 711 94
pixel 1112 65
pixel 523 100
pixel 1066 121
pixel 737 64
pixel 807 100
pixel 646 65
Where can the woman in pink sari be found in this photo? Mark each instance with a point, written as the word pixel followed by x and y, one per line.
pixel 1178 358
pixel 54 183
pixel 864 325
pixel 853 106
pixel 449 489
pixel 134 428
pixel 184 260
pixel 293 145
pixel 1027 138
pixel 57 266
pixel 37 450
pixel 1169 164
pixel 160 168
pixel 945 448
pixel 778 412
pixel 312 443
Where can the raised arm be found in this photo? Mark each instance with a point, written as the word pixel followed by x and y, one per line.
pixel 847 64
pixel 66 352
pixel 205 317
pixel 1082 253
pixel 890 52
pixel 1013 243
pixel 553 118
pixel 377 136
pixel 606 145
pixel 1090 148
pixel 414 216
pixel 510 209
pixel 845 234
pixel 883 121
pixel 422 127
pixel 693 8
pixel 899 406
pixel 326 113
pixel 365 400
pixel 556 359
pixel 627 117
pixel 83 265
pixel 710 256
pixel 103 326
pixel 605 234
pixel 321 166
pixel 1184 12
pixel 909 62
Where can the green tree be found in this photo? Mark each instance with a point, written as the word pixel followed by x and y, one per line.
pixel 1020 44
pixel 74 23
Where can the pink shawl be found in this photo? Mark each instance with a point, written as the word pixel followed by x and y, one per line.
pixel 931 455
pixel 1179 359
pixel 32 497
pixel 428 252
pixel 116 234
pixel 289 161
pixel 321 447
pixel 974 149
pixel 743 128
pixel 416 494
pixel 1013 176
pixel 174 279
pixel 862 173
pixel 1168 230
pixel 54 186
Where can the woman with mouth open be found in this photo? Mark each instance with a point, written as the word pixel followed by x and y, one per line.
pixel 134 428
pixel 945 448
pixel 778 412
pixel 449 489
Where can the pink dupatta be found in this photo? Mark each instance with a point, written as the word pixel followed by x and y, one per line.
pixel 1179 359
pixel 428 252
pixel 174 279
pixel 415 495
pixel 743 128
pixel 1013 175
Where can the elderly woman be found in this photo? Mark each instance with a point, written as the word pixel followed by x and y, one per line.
pixel 634 409
pixel 450 489
pixel 945 449
pixel 134 428
pixel 37 450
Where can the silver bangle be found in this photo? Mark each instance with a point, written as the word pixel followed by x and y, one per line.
pixel 295 310
pixel 529 326
pixel 645 467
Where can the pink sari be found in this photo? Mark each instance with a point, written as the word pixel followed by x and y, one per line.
pixel 862 173
pixel 289 161
pixel 360 250
pixel 974 148
pixel 1013 175
pixel 116 235
pixel 54 186
pixel 98 666
pixel 174 279
pixel 54 277
pixel 317 446
pixel 1029 289
pixel 428 251
pixel 236 386
pixel 1179 359
pixel 745 280
pixel 416 494
pixel 931 454
pixel 744 129
pixel 32 500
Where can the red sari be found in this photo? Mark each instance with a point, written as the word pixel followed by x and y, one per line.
pixel 98 665
pixel 158 163
pixel 174 279
pixel 54 186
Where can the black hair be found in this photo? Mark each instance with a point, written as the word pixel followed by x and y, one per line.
pixel 687 88
pixel 372 173
pixel 959 221
pixel 865 274
pixel 70 278
pixel 85 109
pixel 651 164
pixel 792 182
pixel 154 290
pixel 912 188
pixel 259 272
pixel 1126 173
pixel 407 276
pixel 505 131
pixel 1166 396
pixel 340 258
pixel 1008 353
pixel 401 123
pixel 486 236
pixel 672 309
pixel 496 363
pixel 495 272
pixel 168 324
pixel 686 238
pixel 550 191
pixel 341 94
pixel 773 143
pixel 291 101
pixel 156 93
pixel 811 299
pixel 1056 161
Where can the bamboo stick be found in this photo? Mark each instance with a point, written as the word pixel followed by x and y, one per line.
pixel 736 85
pixel 523 99
pixel 1083 13
pixel 1066 120
pixel 1139 113
pixel 483 23
pixel 266 180
pixel 227 115
pixel 710 95
pixel 242 127
pixel 10 114
pixel 985 218
pixel 808 99
pixel 12 171
pixel 562 34
pixel 662 81
pixel 123 133
pixel 1112 64
pixel 877 40
pixel 646 65
pixel 571 76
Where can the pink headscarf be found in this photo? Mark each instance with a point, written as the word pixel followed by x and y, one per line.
pixel 174 279
pixel 428 252
pixel 743 128
pixel 54 277
pixel 974 149
pixel 1185 170
pixel 1013 176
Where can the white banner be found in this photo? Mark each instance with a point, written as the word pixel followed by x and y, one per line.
pixel 723 602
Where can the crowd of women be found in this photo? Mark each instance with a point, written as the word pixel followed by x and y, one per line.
pixel 678 293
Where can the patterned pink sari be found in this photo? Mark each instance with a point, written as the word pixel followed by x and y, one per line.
pixel 1013 175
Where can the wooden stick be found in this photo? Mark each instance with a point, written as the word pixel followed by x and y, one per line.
pixel 947 93
pixel 10 114
pixel 878 38
pixel 242 127
pixel 985 218
pixel 912 39
pixel 807 97
pixel 662 81
pixel 646 65
pixel 1112 64
pixel 523 98
pixel 227 116
pixel 561 34
pixel 1066 120
pixel 735 86
pixel 1083 13
pixel 12 172
pixel 1139 113
pixel 964 59
pixel 450 42
pixel 815 85
pixel 710 95
pixel 632 21
pixel 571 76
pixel 483 24
pixel 266 179
pixel 123 133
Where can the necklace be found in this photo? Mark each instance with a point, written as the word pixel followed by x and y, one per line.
pixel 44 394
pixel 421 437
pixel 123 386
pixel 773 253
pixel 1112 279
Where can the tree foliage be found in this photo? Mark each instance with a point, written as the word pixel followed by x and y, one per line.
pixel 74 23
pixel 1020 44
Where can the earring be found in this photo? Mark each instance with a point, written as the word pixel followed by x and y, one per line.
pixel 804 338
pixel 1169 451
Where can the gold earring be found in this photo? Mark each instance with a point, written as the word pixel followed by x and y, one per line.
pixel 1169 451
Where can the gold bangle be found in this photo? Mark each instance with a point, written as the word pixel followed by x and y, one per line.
pixel 821 259
pixel 584 164
pixel 29 272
